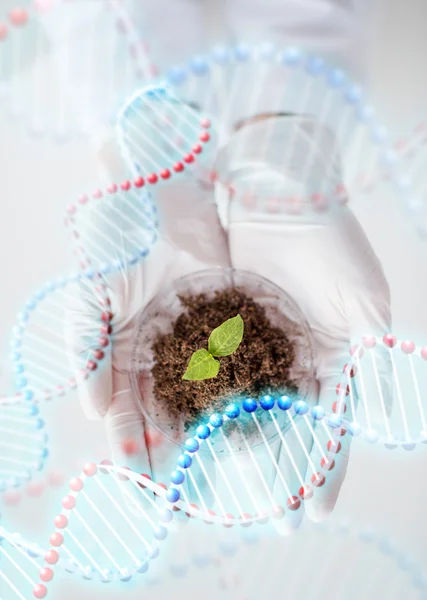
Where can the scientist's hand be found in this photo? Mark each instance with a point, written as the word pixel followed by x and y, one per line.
pixel 323 260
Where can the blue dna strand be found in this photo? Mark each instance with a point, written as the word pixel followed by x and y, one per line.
pixel 23 444
pixel 259 460
pixel 40 355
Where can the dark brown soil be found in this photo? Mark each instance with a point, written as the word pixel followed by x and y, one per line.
pixel 260 365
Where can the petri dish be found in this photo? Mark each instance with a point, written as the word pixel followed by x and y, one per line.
pixel 158 317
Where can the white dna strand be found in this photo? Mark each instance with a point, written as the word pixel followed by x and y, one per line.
pixel 113 227
pixel 345 560
pixel 257 461
pixel 404 382
pixel 60 61
pixel 221 83
pixel 161 136
pixel 40 352
pixel 23 444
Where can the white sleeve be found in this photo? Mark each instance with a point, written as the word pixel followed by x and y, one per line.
pixel 334 29
pixel 174 29
pixel 101 51
pixel 330 29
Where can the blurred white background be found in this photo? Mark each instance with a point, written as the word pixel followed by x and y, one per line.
pixel 39 178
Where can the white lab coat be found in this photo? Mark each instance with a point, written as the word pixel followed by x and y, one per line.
pixel 329 27
pixel 176 30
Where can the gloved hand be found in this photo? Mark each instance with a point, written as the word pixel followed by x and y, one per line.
pixel 322 259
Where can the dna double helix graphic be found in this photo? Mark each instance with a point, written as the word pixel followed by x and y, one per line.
pixel 222 475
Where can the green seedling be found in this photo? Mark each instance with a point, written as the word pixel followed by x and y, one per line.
pixel 223 341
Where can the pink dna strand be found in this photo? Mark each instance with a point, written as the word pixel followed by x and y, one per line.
pixel 41 55
pixel 405 381
pixel 343 554
pixel 24 563
pixel 20 567
pixel 110 525
pixel 221 83
pixel 23 445
pixel 159 135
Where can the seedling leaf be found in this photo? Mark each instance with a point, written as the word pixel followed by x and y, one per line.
pixel 226 338
pixel 202 365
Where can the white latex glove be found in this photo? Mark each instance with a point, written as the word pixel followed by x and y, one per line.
pixel 324 261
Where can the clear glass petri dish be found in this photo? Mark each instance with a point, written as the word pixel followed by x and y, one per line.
pixel 158 317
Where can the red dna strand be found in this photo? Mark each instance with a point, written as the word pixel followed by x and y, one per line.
pixel 114 227
pixel 159 135
pixel 109 526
